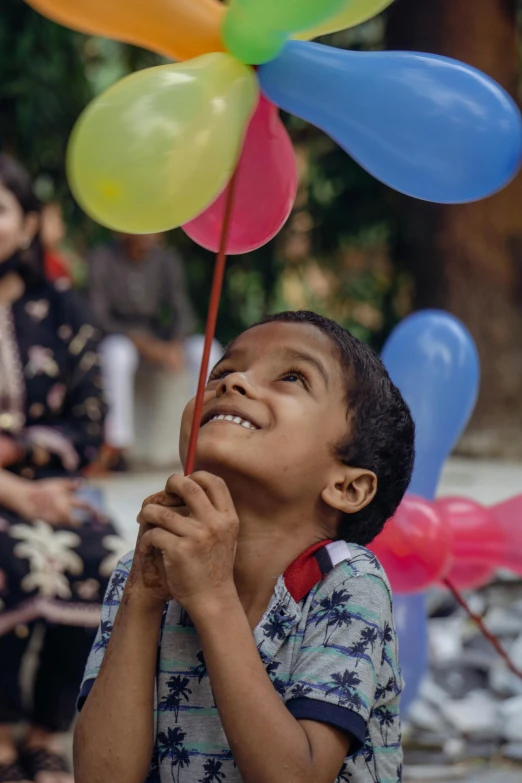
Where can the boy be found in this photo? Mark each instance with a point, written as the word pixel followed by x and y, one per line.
pixel 277 659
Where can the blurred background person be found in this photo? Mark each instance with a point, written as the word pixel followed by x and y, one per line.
pixel 139 297
pixel 56 553
pixel 52 233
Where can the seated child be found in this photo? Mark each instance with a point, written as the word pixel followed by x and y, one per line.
pixel 251 636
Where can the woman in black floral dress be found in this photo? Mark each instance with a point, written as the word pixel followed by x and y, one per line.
pixel 56 555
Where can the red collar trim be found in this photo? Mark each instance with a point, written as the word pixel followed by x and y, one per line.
pixel 307 570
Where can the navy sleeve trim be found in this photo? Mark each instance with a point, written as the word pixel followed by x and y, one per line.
pixel 324 712
pixel 86 689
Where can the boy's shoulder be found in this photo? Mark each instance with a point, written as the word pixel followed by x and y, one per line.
pixel 359 574
pixel 351 561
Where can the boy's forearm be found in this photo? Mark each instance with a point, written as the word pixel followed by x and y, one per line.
pixel 267 743
pixel 113 738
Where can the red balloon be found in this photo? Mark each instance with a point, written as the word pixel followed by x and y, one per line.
pixel 508 518
pixel 470 576
pixel 266 187
pixel 476 536
pixel 415 546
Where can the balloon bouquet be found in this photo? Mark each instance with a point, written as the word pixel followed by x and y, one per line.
pixel 199 144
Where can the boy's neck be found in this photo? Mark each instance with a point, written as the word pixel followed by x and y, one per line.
pixel 266 547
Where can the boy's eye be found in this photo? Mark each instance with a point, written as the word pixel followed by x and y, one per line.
pixel 295 376
pixel 219 374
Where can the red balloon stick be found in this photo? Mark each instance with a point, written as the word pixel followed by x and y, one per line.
pixel 210 330
pixel 492 639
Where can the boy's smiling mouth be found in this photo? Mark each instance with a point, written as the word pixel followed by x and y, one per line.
pixel 233 420
pixel 231 417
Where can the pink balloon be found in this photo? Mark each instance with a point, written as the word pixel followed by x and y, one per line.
pixel 265 193
pixel 470 576
pixel 415 546
pixel 508 518
pixel 476 536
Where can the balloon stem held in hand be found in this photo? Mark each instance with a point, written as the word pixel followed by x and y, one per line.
pixel 213 307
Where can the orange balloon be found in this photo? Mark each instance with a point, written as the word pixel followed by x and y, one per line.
pixel 179 29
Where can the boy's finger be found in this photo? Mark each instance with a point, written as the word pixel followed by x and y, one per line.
pixel 163 498
pixel 168 520
pixel 155 538
pixel 192 495
pixel 216 489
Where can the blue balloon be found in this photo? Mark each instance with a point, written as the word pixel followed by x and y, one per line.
pixel 433 360
pixel 410 623
pixel 427 126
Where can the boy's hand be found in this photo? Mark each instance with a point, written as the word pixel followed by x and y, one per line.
pixel 197 543
pixel 147 576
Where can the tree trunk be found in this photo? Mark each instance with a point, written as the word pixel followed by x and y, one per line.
pixel 467 259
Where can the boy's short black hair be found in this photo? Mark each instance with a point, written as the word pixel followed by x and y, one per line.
pixel 382 433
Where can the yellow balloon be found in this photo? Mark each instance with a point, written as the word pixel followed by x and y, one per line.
pixel 179 29
pixel 356 12
pixel 158 147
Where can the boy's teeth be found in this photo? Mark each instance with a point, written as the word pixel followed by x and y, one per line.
pixel 234 419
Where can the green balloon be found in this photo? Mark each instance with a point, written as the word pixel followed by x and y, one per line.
pixel 244 41
pixel 255 31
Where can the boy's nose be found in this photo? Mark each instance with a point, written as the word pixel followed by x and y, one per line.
pixel 235 382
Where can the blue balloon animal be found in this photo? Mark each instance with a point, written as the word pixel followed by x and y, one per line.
pixel 433 360
pixel 428 126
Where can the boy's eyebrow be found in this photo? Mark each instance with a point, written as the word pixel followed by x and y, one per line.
pixel 287 354
pixel 292 355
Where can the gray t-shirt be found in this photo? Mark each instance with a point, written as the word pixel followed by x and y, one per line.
pixel 329 647
pixel 147 296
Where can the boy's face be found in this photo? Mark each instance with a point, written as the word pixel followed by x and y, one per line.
pixel 283 386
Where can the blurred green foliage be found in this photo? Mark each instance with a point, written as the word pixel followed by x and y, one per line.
pixel 337 253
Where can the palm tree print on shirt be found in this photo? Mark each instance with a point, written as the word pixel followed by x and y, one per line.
pixel 386 719
pixel 301 691
pixel 270 665
pixel 281 686
pixel 178 690
pixel 343 686
pixel 383 690
pixel 345 775
pixel 387 638
pixel 201 669
pixel 276 626
pixel 369 759
pixel 366 556
pixel 171 747
pixel 367 639
pixel 213 772
pixel 116 586
pixel 341 618
pixel 154 770
pixel 105 635
pixel 333 609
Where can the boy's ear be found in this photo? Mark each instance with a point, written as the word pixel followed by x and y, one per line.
pixel 350 489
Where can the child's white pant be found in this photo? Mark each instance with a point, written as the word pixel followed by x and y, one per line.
pixel 120 360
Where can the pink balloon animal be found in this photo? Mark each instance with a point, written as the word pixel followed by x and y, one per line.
pixel 453 538
pixel 265 189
